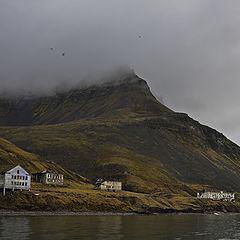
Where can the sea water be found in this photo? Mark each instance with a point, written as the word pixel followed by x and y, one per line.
pixel 210 226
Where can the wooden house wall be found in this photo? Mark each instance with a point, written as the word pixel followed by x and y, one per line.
pixel 17 178
pixel 1 180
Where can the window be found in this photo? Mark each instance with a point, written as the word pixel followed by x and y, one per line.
pixel 26 178
pixel 18 171
pixel 25 183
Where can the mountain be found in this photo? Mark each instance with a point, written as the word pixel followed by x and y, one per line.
pixel 119 130
pixel 129 97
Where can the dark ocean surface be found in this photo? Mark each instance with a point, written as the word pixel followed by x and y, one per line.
pixel 223 226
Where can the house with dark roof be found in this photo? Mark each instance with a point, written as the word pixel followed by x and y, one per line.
pixel 14 178
pixel 49 176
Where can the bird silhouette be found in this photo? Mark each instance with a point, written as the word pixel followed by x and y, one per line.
pixel 63 54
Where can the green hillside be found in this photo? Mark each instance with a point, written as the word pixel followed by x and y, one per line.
pixel 120 130
pixel 11 155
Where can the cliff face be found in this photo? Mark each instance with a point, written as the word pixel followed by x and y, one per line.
pixel 120 130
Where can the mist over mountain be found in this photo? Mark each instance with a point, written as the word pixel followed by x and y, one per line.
pixel 187 50
pixel 54 84
pixel 124 94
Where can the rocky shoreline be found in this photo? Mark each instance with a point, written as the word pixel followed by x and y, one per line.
pixel 63 213
pixel 213 210
pixel 4 213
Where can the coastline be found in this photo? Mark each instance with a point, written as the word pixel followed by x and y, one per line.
pixel 96 203
pixel 65 213
pixel 11 213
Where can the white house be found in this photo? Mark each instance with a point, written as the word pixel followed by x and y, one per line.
pixel 112 186
pixel 49 176
pixel 216 195
pixel 14 178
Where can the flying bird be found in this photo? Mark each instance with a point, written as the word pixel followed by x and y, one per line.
pixel 51 48
pixel 63 54
pixel 139 36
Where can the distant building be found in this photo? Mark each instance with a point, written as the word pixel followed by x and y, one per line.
pixel 216 195
pixel 14 178
pixel 48 177
pixel 111 186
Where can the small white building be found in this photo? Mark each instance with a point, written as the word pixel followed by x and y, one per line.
pixel 111 186
pixel 216 195
pixel 15 178
pixel 49 176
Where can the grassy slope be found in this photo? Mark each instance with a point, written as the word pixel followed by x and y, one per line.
pixel 84 198
pixel 160 153
pixel 10 154
pixel 76 195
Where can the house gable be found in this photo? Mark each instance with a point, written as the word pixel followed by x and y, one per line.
pixel 17 170
pixel 17 178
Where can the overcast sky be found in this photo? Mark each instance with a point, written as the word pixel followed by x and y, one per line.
pixel 187 50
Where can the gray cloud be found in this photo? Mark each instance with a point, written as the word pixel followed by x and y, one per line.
pixel 189 50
